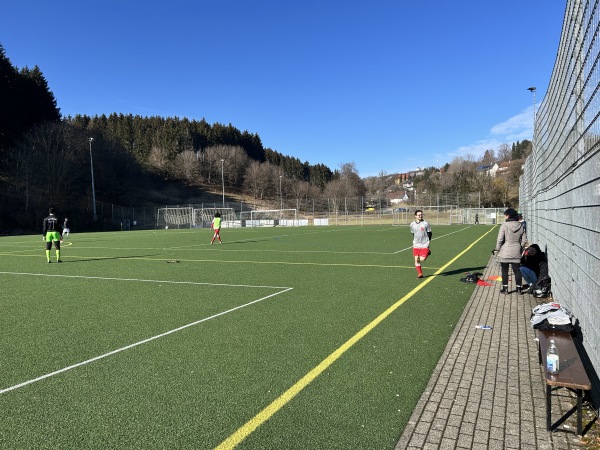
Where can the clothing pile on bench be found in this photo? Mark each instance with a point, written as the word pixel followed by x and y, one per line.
pixel 552 317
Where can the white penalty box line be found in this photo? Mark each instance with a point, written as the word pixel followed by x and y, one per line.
pixel 281 290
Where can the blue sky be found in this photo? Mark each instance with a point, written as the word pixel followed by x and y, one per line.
pixel 390 85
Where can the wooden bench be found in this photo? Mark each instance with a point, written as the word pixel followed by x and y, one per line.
pixel 571 375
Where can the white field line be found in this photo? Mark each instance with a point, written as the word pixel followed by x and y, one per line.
pixel 144 341
pixel 196 283
pixel 438 237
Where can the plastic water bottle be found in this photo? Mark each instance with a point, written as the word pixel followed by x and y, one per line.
pixel 552 358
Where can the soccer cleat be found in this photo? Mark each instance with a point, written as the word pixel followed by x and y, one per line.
pixel 420 275
pixel 60 260
pixel 49 261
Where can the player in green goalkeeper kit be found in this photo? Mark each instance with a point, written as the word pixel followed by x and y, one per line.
pixel 52 232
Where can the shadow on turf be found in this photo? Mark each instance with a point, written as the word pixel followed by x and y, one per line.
pixel 463 271
pixel 108 258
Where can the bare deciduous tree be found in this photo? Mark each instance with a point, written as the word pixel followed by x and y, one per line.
pixel 501 189
pixel 235 161
pixel 45 161
pixel 335 191
pixel 258 180
pixel 504 152
pixel 158 159
pixel 489 157
pixel 186 166
pixel 354 185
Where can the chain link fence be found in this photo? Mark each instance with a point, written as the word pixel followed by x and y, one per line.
pixel 345 211
pixel 560 187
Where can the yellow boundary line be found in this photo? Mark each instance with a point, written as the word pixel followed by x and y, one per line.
pixel 248 428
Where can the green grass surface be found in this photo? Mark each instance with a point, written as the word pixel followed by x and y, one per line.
pixel 181 355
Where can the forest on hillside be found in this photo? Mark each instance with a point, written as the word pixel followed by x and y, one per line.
pixel 47 159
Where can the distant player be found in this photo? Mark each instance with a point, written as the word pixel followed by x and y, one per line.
pixel 216 226
pixel 421 239
pixel 52 232
pixel 66 229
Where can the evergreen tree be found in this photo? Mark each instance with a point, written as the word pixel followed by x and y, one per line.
pixel 8 76
pixel 252 144
pixel 25 101
pixel 41 104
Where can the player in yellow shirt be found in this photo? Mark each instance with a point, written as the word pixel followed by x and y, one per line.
pixel 216 226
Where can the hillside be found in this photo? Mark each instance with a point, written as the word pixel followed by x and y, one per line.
pixel 155 191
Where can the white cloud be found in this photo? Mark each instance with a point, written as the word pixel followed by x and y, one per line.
pixel 476 149
pixel 516 128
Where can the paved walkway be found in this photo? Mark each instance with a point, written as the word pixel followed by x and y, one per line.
pixel 487 390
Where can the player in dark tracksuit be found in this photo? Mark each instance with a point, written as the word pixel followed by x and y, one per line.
pixel 52 232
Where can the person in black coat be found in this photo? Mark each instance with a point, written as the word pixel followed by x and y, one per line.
pixel 534 265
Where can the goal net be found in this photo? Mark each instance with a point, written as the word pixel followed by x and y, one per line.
pixel 270 218
pixel 190 217
pixel 203 217
pixel 176 217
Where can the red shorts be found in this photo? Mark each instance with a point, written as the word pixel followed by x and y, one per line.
pixel 421 252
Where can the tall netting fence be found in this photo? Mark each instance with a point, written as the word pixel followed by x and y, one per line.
pixel 560 187
pixel 343 211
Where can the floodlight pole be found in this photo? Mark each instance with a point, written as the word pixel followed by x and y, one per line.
pixel 280 192
pixel 533 89
pixel 223 181
pixel 93 189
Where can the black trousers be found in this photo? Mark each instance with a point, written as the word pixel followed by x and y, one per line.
pixel 516 272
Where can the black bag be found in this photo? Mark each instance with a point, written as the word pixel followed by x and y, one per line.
pixel 542 288
pixel 471 277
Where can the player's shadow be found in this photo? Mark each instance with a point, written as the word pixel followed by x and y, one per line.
pixel 463 271
pixel 108 258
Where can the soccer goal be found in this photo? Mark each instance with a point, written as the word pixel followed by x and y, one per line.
pixel 190 217
pixel 455 219
pixel 203 217
pixel 270 218
pixel 175 217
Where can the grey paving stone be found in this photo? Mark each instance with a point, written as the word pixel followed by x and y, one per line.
pixel 451 432
pixel 447 444
pixel 467 428
pixel 434 436
pixel 480 438
pixel 487 390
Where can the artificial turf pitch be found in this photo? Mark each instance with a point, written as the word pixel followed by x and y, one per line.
pixel 295 338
